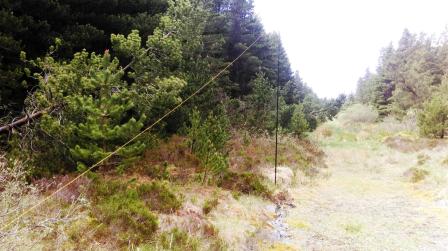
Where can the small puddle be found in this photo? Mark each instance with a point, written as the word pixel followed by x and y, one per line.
pixel 275 231
pixel 280 229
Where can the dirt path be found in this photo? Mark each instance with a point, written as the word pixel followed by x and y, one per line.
pixel 366 203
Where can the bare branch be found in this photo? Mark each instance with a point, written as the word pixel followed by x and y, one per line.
pixel 25 119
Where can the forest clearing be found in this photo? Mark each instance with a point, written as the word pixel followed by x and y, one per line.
pixel 181 125
pixel 372 196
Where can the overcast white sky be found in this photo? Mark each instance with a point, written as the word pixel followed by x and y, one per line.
pixel 331 43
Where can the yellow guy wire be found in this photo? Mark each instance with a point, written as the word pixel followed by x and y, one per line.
pixel 131 140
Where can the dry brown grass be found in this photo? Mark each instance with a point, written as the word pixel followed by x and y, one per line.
pixel 192 218
pixel 325 131
pixel 66 222
pixel 416 174
pixel 173 152
pixel 48 227
pixel 409 145
pixel 249 152
pixel 445 162
pixel 358 113
pixel 235 217
pixel 366 203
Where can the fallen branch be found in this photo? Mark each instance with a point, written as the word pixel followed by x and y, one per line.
pixel 21 121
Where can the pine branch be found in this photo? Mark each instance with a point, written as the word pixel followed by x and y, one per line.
pixel 144 53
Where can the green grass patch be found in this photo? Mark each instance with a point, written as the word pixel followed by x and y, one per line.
pixel 128 208
pixel 353 228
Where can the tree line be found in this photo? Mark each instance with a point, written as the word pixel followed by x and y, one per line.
pixel 411 77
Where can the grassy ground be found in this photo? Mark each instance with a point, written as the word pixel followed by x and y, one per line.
pixel 103 212
pixel 375 186
pixel 386 190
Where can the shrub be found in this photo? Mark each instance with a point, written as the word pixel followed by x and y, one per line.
pixel 433 119
pixel 126 207
pixel 127 216
pixel 359 113
pixel 158 171
pixel 247 183
pixel 172 159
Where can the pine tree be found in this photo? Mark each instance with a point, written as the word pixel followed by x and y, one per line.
pixel 97 108
pixel 299 124
pixel 97 105
pixel 208 138
pixel 261 104
pixel 32 26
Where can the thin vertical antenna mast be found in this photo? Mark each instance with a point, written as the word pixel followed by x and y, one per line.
pixel 276 116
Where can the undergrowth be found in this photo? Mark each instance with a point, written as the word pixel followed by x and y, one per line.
pixel 128 208
pixel 130 212
pixel 247 183
pixel 247 155
pixel 46 228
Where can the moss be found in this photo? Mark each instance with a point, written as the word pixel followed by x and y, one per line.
pixel 281 247
pixel 297 223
